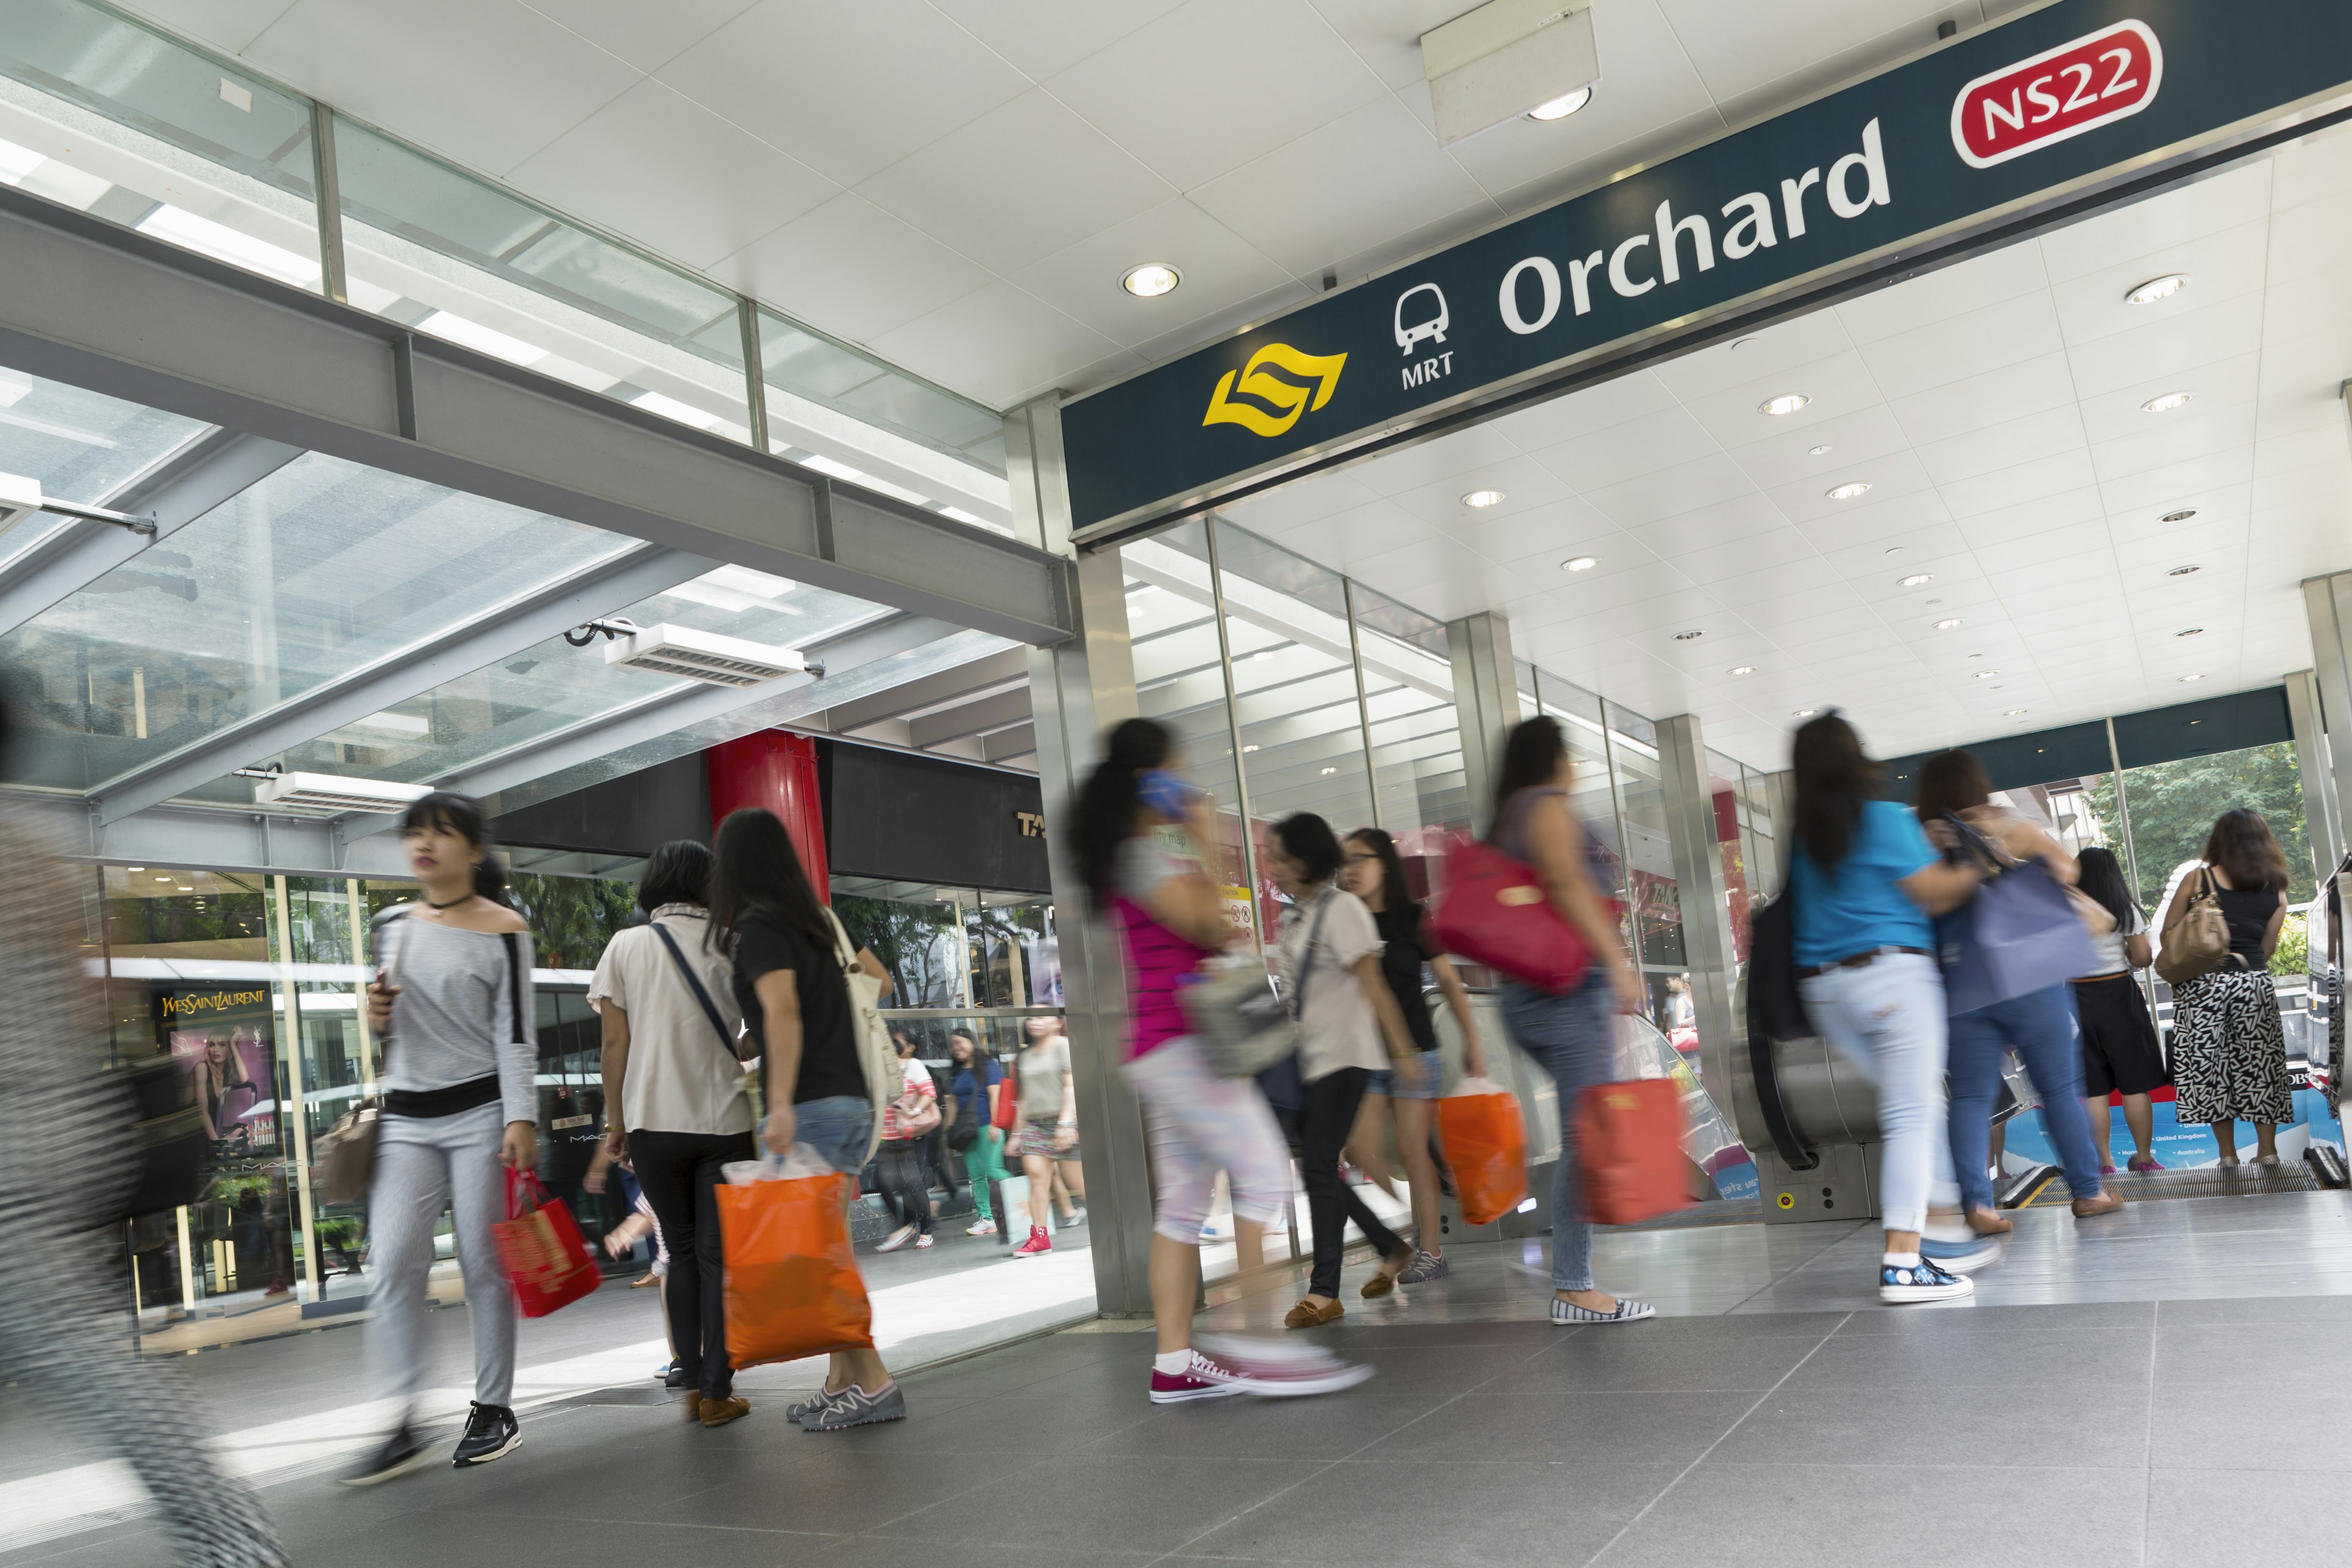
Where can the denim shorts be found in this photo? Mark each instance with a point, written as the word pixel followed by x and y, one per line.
pixel 838 1127
pixel 1431 1085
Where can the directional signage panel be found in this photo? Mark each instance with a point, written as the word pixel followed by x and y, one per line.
pixel 1997 122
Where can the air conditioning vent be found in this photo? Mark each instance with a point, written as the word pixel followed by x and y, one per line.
pixel 702 655
pixel 332 792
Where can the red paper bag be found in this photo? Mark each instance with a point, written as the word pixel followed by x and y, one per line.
pixel 1629 1148
pixel 793 1285
pixel 547 1259
pixel 1487 1145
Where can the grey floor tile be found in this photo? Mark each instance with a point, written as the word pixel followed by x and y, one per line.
pixel 1319 1429
pixel 1534 1333
pixel 2117 1357
pixel 1803 1516
pixel 882 1552
pixel 1446 1369
pixel 1982 1317
pixel 2080 1427
pixel 1631 1357
pixel 2282 1357
pixel 1152 1504
pixel 2219 1428
pixel 438 1537
pixel 2197 1518
pixel 140 1543
pixel 2334 1309
pixel 1608 1427
pixel 1499 1514
pixel 829 1489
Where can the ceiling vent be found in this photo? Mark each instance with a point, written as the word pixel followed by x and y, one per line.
pixel 702 655
pixel 332 792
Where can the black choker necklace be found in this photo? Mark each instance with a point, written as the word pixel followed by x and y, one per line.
pixel 452 904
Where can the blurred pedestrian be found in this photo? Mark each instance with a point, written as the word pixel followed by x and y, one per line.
pixel 2228 1050
pixel 1047 1131
pixel 908 1124
pixel 978 1085
pixel 2121 1055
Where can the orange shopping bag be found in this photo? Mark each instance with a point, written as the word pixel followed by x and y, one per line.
pixel 1486 1144
pixel 547 1259
pixel 793 1285
pixel 1629 1146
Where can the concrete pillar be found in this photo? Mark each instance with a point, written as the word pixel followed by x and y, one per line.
pixel 1486 703
pixel 2321 807
pixel 1693 836
pixel 2327 603
pixel 1078 691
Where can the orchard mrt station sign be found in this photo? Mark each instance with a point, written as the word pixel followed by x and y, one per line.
pixel 2047 109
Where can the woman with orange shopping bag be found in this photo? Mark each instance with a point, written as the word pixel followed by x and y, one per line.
pixel 793 989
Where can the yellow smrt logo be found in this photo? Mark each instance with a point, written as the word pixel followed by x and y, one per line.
pixel 1321 372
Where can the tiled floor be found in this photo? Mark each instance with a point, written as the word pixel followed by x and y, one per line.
pixel 2162 1387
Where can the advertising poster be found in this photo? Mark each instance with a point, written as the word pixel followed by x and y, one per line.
pixel 217 1039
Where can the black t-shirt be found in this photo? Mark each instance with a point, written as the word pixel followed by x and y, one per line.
pixel 1407 948
pixel 764 945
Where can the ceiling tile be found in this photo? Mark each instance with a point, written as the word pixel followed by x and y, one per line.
pixel 647 36
pixel 851 269
pixel 1760 359
pixel 1704 480
pixel 2029 385
pixel 2170 346
pixel 964 344
pixel 2177 217
pixel 1426 462
pixel 1743 516
pixel 1581 413
pixel 1526 486
pixel 1790 458
pixel 1222 272
pixel 1043 37
pixel 1781 561
pixel 2004 446
pixel 1839 385
pixel 228 25
pixel 1740 49
pixel 895 75
pixel 2013 487
pixel 2219 266
pixel 1619 452
pixel 669 173
pixel 1948 292
pixel 1970 344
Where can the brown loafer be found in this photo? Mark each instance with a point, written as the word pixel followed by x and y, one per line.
pixel 2106 1203
pixel 1308 1315
pixel 718 1412
pixel 1990 1222
pixel 693 1404
pixel 1383 1281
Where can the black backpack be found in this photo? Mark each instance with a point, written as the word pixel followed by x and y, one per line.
pixel 1775 1011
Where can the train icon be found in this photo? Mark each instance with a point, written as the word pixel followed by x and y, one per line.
pixel 1431 312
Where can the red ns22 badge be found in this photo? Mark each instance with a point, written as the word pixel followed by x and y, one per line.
pixel 2080 86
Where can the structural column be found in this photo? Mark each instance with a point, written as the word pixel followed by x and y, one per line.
pixel 1078 691
pixel 2327 602
pixel 1486 703
pixel 2322 806
pixel 1695 839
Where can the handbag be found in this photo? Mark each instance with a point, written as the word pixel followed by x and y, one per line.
pixel 920 1120
pixel 1496 912
pixel 345 1157
pixel 876 1057
pixel 547 1259
pixel 1007 1102
pixel 2199 943
pixel 2018 935
pixel 1629 1150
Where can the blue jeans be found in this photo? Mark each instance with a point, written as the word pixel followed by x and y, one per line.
pixel 1887 1019
pixel 838 1127
pixel 2040 1026
pixel 1573 1038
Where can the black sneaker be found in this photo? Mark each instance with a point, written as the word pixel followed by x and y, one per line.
pixel 674 1377
pixel 492 1432
pixel 402 1452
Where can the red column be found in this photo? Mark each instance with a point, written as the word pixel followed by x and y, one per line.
pixel 776 770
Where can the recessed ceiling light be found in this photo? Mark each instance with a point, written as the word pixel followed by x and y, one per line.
pixel 2156 289
pixel 1848 490
pixel 1247 749
pixel 2190 632
pixel 2182 572
pixel 1987 674
pixel 2183 515
pixel 1917 579
pixel 1820 451
pixel 1743 669
pixel 162 879
pixel 134 867
pixel 1563 106
pixel 1689 636
pixel 1261 655
pixel 1579 563
pixel 1804 713
pixel 2189 678
pixel 1151 280
pixel 1787 403
pixel 1482 498
pixel 1328 772
pixel 1950 624
pixel 2012 713
pixel 2166 403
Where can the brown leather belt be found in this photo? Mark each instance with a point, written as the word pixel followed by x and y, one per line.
pixel 1859 961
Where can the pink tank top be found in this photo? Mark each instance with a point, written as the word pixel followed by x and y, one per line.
pixel 1159 962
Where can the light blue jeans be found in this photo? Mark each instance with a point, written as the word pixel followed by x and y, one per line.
pixel 2042 1027
pixel 1887 1019
pixel 1573 1038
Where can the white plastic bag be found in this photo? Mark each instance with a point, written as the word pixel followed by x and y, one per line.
pixel 803 1160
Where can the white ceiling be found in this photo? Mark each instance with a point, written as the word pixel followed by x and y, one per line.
pixel 1994 409
pixel 957 185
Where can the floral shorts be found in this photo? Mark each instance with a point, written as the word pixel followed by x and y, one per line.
pixel 1037 1138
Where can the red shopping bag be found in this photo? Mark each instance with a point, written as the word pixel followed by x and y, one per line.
pixel 1495 911
pixel 1628 1144
pixel 793 1285
pixel 1487 1145
pixel 547 1259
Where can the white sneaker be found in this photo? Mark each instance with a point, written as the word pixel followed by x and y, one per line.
pixel 985 1228
pixel 1922 1281
pixel 896 1239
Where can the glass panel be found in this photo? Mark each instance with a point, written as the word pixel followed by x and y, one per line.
pixel 1594 793
pixel 436 250
pixel 918 933
pixel 99 115
pixel 801 365
pixel 310 573
pixel 1423 793
pixel 1724 788
pixel 80 446
pixel 554 684
pixel 2173 805
pixel 1649 853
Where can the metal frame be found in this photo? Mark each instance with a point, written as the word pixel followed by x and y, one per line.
pixel 445 654
pixel 116 311
pixel 1363 702
pixel 1234 728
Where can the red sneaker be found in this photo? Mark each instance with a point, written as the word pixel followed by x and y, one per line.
pixel 1037 1246
pixel 1275 1370
pixel 1204 1379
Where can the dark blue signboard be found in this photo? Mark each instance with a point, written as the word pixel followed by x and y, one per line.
pixel 2001 121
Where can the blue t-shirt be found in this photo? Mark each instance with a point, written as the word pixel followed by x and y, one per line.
pixel 971 1097
pixel 1861 908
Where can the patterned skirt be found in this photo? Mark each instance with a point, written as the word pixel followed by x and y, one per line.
pixel 2228 1054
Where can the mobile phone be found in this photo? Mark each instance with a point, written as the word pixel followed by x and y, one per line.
pixel 1166 794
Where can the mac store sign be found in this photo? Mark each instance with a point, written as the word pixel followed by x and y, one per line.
pixel 2077 105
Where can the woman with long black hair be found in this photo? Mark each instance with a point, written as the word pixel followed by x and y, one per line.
pixel 794 996
pixel 1866 882
pixel 1574 1036
pixel 1171 920
pixel 2228 1051
pixel 452 1001
pixel 2120 1053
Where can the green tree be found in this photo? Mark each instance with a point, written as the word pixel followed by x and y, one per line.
pixel 2173 805
pixel 571 918
pixel 907 937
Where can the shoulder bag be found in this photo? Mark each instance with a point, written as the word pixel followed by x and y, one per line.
pixel 701 994
pixel 2199 943
pixel 1496 910
pixel 345 1158
pixel 876 1057
pixel 2018 935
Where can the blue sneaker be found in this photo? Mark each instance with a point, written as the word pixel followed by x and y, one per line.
pixel 1960 1256
pixel 1923 1281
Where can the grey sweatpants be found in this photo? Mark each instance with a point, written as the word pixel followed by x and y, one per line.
pixel 420 1164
